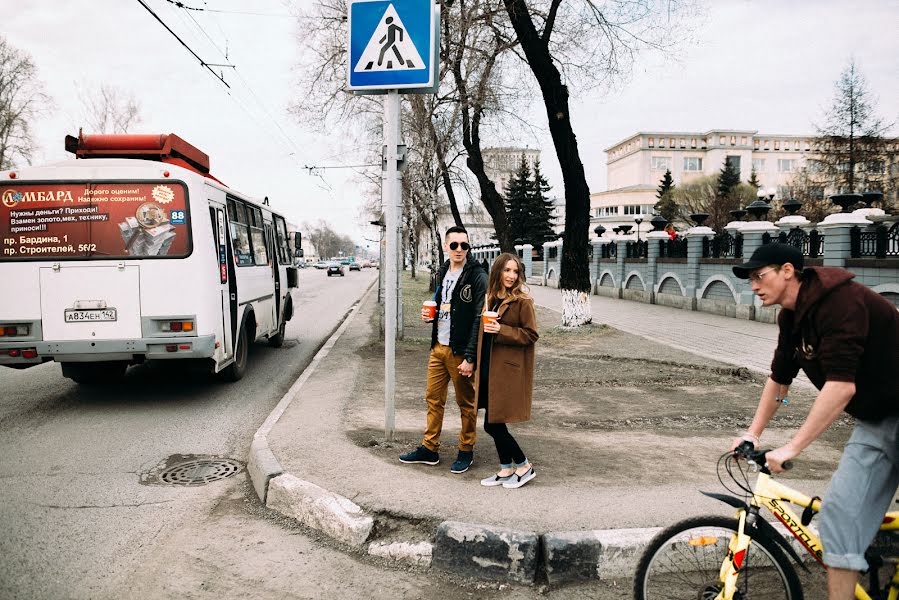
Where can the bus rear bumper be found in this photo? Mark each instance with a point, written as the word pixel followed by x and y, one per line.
pixel 155 348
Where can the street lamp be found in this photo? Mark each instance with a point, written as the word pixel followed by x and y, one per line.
pixel 766 195
pixel 638 220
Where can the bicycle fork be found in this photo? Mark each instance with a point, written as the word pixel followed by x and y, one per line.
pixel 736 555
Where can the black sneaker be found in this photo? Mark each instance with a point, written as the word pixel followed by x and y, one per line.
pixel 463 461
pixel 420 456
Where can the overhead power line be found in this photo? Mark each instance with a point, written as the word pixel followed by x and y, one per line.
pixel 183 43
pixel 227 12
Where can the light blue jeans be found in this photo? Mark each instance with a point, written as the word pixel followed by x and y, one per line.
pixel 860 493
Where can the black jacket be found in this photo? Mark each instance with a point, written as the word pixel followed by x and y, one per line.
pixel 466 306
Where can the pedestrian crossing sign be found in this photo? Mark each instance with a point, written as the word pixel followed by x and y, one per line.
pixel 392 44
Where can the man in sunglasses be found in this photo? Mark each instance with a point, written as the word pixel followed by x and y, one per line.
pixel 454 344
pixel 845 336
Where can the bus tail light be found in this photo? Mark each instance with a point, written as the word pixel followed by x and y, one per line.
pixel 29 353
pixel 13 330
pixel 171 347
pixel 177 326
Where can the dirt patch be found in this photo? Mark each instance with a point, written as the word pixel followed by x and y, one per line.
pixel 608 407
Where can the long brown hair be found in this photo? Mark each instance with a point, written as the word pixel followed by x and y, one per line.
pixel 495 287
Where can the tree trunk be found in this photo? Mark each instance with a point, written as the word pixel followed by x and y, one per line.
pixel 575 276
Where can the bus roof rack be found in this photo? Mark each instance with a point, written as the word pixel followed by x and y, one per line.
pixel 167 148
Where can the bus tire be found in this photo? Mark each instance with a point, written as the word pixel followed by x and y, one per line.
pixel 88 373
pixel 237 369
pixel 277 340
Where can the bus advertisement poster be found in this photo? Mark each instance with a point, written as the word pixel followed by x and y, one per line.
pixel 83 220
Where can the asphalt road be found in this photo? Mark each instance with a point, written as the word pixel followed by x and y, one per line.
pixel 76 520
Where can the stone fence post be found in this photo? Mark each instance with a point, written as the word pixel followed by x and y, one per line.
pixel 652 263
pixel 597 245
pixel 837 231
pixel 527 258
pixel 696 236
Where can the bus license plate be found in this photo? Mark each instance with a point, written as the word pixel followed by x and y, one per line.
pixel 92 315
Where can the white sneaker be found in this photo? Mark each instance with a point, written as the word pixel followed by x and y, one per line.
pixel 516 481
pixel 495 480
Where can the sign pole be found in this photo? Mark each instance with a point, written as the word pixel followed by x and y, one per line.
pixel 391 200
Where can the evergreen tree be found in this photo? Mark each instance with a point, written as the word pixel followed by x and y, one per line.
pixel 667 205
pixel 517 200
pixel 728 179
pixel 540 210
pixel 753 180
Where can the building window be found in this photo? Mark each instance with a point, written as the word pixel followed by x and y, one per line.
pixel 683 143
pixel 693 142
pixel 734 162
pixel 876 167
pixel 743 141
pixel 721 140
pixel 660 163
pixel 777 144
pixel 652 142
pixel 786 165
pixel 692 163
pixel 671 143
pixel 733 140
pixel 816 192
pixel 758 164
pixel 784 192
pixel 632 209
pixel 815 166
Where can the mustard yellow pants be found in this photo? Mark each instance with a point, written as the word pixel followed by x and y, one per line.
pixel 443 367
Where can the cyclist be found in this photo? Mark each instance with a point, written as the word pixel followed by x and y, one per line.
pixel 845 337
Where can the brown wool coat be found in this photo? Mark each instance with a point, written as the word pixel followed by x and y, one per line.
pixel 511 382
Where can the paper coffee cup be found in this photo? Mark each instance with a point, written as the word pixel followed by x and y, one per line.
pixel 490 316
pixel 431 307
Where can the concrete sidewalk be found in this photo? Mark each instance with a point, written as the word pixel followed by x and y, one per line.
pixel 625 433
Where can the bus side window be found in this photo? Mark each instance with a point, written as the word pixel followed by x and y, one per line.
pixel 281 234
pixel 257 236
pixel 240 234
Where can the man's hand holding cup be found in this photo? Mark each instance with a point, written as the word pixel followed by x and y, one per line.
pixel 491 324
pixel 428 311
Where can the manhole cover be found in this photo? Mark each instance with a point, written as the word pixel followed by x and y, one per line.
pixel 187 470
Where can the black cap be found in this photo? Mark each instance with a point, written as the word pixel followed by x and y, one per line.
pixel 770 254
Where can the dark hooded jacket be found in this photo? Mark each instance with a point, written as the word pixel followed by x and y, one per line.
pixel 842 330
pixel 467 304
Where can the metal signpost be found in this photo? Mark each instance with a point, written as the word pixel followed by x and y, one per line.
pixel 392 47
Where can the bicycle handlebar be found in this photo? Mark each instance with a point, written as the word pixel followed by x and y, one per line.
pixel 747 450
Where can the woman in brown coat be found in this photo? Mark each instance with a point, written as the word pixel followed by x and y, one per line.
pixel 504 381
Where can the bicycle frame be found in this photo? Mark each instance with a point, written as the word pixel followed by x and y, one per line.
pixel 775 497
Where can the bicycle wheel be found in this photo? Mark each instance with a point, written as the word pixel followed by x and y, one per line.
pixel 684 561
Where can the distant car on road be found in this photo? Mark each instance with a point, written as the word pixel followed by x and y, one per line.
pixel 320 265
pixel 336 269
pixel 366 264
pixel 354 266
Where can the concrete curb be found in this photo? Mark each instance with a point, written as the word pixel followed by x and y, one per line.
pixel 480 551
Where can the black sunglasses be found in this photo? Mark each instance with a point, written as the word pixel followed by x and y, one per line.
pixel 454 245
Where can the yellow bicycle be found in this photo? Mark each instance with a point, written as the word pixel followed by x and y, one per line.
pixel 743 558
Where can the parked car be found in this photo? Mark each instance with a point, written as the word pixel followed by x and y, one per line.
pixel 366 264
pixel 321 265
pixel 336 269
pixel 354 266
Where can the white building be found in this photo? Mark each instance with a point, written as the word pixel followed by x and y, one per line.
pixel 500 164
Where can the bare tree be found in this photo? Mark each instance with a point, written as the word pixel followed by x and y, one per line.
pixel 22 99
pixel 595 42
pixel 703 195
pixel 110 109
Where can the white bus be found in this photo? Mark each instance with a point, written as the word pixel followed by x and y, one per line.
pixel 132 252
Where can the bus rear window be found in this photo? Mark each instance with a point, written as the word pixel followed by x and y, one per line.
pixel 94 220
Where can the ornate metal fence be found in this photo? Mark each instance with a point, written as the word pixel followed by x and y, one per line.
pixel 879 243
pixel 676 248
pixel 609 250
pixel 723 245
pixel 810 243
pixel 636 249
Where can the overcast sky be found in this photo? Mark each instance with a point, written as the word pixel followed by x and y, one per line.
pixel 758 65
